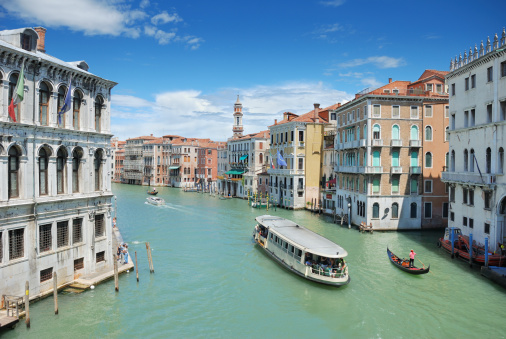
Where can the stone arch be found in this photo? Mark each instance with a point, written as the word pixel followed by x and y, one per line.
pixel 64 149
pixel 50 85
pixel 19 147
pixel 501 206
pixel 48 148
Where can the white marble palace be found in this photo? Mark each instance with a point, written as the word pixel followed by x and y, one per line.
pixel 55 177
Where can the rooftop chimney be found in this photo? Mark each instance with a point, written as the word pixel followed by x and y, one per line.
pixel 316 110
pixel 285 116
pixel 389 80
pixel 41 42
pixel 275 121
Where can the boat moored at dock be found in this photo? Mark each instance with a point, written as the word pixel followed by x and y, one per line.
pixel 301 250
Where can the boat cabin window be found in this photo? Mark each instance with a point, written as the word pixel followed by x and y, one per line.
pixel 285 245
pixel 299 252
pixel 271 236
pixel 292 249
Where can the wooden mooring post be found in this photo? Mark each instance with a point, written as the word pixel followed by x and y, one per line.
pixel 136 267
pixel 150 258
pixel 27 304
pixel 55 292
pixel 116 278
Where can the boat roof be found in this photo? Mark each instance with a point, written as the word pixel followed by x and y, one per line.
pixel 307 239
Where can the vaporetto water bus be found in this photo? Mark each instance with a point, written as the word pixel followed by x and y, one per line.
pixel 302 251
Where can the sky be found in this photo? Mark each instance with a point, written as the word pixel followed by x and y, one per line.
pixel 180 64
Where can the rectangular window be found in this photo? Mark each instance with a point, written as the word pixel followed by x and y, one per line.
pixel 487 228
pixel 464 195
pixel 489 113
pixel 301 136
pixel 45 238
pixel 301 163
pixel 396 112
pixel 16 243
pixel 466 119
pixel 452 122
pixel 395 185
pixel 471 197
pixel 471 223
pixel 439 88
pixel 487 199
pixel 77 230
pixel 447 111
pixel 473 118
pixel 466 84
pixel 78 264
pixel 490 76
pixel 452 216
pixel 376 111
pixel 100 256
pixel 414 112
pixel 427 210
pixel 99 225
pixel 473 81
pixel 452 194
pixel 46 274
pixel 428 111
pixel 429 87
pixel 414 186
pixel 464 221
pixel 428 186
pixel 445 210
pixel 453 89
pixel 376 186
pixel 62 234
pixel 332 116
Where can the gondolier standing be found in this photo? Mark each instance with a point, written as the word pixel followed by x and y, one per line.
pixel 412 258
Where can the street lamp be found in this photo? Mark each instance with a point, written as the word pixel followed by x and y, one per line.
pixel 349 215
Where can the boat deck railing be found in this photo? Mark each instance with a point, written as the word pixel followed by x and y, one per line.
pixel 328 272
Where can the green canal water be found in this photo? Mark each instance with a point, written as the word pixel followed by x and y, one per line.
pixel 212 281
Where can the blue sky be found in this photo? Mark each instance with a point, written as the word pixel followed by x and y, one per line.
pixel 181 64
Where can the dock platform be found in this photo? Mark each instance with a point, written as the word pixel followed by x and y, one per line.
pixel 495 273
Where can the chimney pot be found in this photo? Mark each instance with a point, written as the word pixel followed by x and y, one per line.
pixel 41 41
pixel 275 121
pixel 389 80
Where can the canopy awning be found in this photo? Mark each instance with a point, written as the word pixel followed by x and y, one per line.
pixel 243 157
pixel 174 167
pixel 333 181
pixel 235 172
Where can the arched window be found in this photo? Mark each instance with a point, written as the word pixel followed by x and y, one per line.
pixel 428 133
pixel 77 154
pixel 395 132
pixel 447 161
pixel 452 162
pixel 413 210
pixel 43 104
pixel 500 163
pixel 61 100
pixel 471 161
pixel 446 132
pixel 78 98
pixel 428 160
pixel 375 210
pixel 489 160
pixel 13 80
pixel 414 133
pixel 43 163
pixel 375 186
pixel 365 131
pixel 14 155
pixel 98 168
pixel 376 158
pixel 414 158
pixel 376 132
pixel 395 158
pixel 395 210
pixel 61 161
pixel 98 113
pixel 466 160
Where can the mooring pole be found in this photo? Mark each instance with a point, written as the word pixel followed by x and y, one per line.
pixel 136 267
pixel 470 249
pixel 150 258
pixel 55 293
pixel 452 240
pixel 486 252
pixel 27 304
pixel 116 280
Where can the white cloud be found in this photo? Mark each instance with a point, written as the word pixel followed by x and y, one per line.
pixel 371 82
pixel 99 17
pixel 164 18
pixel 193 114
pixel 378 61
pixel 332 3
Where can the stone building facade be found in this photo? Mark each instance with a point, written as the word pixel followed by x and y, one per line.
pixel 55 178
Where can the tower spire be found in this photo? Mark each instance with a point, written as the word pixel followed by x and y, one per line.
pixel 237 128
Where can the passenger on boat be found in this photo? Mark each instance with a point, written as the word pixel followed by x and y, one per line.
pixel 309 259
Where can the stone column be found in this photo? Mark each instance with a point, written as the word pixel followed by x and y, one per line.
pixel 105 175
pixel 51 176
pixel 23 178
pixel 53 109
pixel 4 99
pixel 69 173
pixel 4 178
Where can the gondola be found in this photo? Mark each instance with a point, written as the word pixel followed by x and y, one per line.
pixel 152 192
pixel 404 264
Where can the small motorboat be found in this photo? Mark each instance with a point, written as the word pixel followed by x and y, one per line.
pixel 155 201
pixel 404 264
pixel 153 192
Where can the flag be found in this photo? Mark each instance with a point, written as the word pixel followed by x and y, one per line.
pixel 272 164
pixel 280 160
pixel 18 94
pixel 66 103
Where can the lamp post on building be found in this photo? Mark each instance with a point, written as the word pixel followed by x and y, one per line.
pixel 349 214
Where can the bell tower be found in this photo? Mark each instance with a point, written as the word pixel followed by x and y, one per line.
pixel 237 129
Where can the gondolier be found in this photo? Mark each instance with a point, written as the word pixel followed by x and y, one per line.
pixel 412 258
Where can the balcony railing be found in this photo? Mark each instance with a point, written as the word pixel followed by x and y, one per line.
pixel 285 171
pixel 396 143
pixel 351 144
pixel 396 170
pixel 469 178
pixel 415 170
pixel 374 169
pixel 377 142
pixel 415 143
pixel 363 143
pixel 300 187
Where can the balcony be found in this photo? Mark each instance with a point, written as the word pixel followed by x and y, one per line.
pixel 301 144
pixel 351 144
pixel 415 143
pixel 395 170
pixel 347 169
pixel 415 170
pixel 300 188
pixel 363 142
pixel 396 143
pixel 338 146
pixel 377 142
pixel 285 171
pixel 374 169
pixel 469 178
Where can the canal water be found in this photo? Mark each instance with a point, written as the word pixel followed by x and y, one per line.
pixel 210 280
